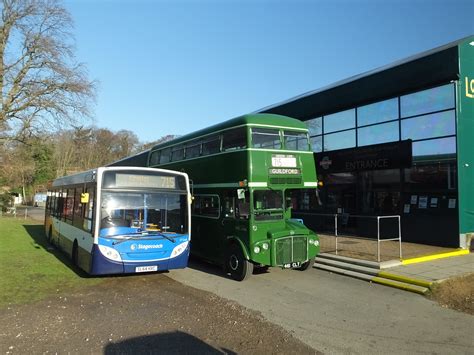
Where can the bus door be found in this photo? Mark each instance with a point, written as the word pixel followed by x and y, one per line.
pixel 236 206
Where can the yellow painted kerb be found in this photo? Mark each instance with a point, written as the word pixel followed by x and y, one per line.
pixel 422 259
pixel 405 279
pixel 402 286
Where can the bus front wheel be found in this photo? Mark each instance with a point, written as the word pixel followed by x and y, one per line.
pixel 237 265
pixel 306 265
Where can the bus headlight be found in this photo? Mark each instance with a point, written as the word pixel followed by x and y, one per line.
pixel 314 242
pixel 256 250
pixel 265 246
pixel 110 253
pixel 179 249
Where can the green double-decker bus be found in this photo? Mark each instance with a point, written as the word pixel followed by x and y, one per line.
pixel 244 172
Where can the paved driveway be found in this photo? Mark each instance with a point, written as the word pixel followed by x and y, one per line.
pixel 340 315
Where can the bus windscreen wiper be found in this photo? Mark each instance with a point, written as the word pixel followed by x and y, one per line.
pixel 141 233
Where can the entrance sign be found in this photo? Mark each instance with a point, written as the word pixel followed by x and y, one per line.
pixel 374 157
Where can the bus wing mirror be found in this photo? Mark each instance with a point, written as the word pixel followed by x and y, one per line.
pixel 241 194
pixel 85 197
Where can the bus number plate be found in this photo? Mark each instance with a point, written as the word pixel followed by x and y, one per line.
pixel 146 268
pixel 291 265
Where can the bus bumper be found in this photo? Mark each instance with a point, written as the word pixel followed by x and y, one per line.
pixel 104 266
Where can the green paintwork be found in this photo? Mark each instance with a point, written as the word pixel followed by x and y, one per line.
pixel 465 136
pixel 211 236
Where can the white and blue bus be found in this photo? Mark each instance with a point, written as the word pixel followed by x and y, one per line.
pixel 114 220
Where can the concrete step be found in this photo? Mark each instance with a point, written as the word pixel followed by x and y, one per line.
pixel 365 263
pixel 357 275
pixel 401 285
pixel 347 266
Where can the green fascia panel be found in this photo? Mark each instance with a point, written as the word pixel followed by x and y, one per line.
pixel 465 136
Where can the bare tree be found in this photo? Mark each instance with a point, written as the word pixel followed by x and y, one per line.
pixel 42 86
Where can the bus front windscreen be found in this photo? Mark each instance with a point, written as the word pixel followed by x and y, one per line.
pixel 268 204
pixel 122 213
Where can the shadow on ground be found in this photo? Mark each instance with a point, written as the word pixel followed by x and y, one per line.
pixel 37 234
pixel 165 343
pixel 217 270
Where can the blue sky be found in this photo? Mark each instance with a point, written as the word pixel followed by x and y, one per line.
pixel 175 66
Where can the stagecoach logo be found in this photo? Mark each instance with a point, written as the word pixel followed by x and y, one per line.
pixel 146 246
pixel 325 163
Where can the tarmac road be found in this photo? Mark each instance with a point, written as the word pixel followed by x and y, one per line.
pixel 340 315
pixel 336 314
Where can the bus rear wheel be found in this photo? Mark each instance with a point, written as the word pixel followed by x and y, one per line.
pixel 49 236
pixel 237 265
pixel 306 265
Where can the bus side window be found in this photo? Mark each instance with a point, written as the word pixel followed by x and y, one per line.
pixel 242 209
pixel 155 158
pixel 165 156
pixel 234 139
pixel 229 205
pixel 210 206
pixel 211 145
pixel 89 209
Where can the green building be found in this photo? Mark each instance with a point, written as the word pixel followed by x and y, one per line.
pixel 398 140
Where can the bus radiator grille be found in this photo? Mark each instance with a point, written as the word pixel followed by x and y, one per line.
pixel 291 249
pixel 285 180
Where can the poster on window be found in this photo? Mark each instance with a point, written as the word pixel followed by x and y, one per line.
pixel 434 202
pixel 452 203
pixel 423 202
pixel 414 199
pixel 406 208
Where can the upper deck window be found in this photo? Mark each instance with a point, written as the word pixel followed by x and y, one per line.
pixel 177 153
pixel 211 145
pixel 155 157
pixel 266 138
pixel 234 139
pixel 165 156
pixel 193 149
pixel 296 140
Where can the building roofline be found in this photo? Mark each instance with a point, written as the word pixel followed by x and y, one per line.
pixel 367 73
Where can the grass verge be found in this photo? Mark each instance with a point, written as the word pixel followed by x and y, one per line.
pixel 456 293
pixel 30 268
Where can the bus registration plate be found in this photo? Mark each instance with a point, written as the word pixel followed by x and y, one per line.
pixel 146 268
pixel 291 265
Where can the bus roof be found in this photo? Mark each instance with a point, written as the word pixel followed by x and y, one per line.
pixel 90 175
pixel 260 118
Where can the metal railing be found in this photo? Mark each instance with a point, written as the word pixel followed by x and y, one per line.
pixel 377 218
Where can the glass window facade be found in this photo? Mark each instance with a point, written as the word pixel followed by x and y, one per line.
pixel 377 112
pixel 435 147
pixel 381 133
pixel 431 100
pixel 340 140
pixel 315 126
pixel 425 194
pixel 424 115
pixel 429 126
pixel 339 121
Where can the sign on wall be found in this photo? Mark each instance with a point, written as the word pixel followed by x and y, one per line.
pixel 374 157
